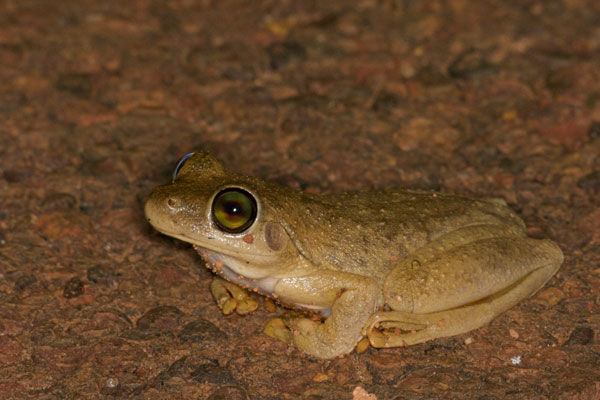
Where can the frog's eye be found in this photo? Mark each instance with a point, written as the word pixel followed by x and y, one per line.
pixel 234 210
pixel 180 164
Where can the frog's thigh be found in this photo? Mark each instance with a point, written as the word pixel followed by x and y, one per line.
pixel 443 293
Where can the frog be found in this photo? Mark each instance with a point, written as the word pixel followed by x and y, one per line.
pixel 389 267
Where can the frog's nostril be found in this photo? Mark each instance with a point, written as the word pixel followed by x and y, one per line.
pixel 173 203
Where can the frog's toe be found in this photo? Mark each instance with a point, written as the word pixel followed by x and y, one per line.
pixel 394 328
pixel 290 329
pixel 241 306
pixel 246 306
pixel 363 345
pixel 227 305
pixel 385 338
pixel 277 329
pixel 303 326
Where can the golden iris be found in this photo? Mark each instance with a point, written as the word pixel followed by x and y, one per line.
pixel 234 210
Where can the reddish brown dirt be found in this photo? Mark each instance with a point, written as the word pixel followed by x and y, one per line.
pixel 100 98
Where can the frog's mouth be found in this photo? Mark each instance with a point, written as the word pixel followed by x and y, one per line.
pixel 209 245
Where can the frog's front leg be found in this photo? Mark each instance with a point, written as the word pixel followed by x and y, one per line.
pixel 230 297
pixel 351 298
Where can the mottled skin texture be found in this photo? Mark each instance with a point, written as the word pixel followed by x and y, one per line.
pixel 399 267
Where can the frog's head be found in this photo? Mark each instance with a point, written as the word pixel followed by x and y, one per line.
pixel 229 218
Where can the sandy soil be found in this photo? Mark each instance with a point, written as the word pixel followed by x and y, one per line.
pixel 98 100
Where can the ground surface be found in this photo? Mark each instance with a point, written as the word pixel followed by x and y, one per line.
pixel 100 98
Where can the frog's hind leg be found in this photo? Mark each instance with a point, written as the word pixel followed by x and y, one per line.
pixel 400 328
pixel 460 288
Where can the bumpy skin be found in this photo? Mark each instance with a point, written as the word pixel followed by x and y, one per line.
pixel 400 267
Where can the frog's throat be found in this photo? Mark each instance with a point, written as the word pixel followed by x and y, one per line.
pixel 232 269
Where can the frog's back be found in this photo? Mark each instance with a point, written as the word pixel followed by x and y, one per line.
pixel 432 213
pixel 368 232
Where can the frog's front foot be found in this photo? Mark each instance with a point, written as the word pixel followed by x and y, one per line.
pixel 307 335
pixel 351 299
pixel 230 297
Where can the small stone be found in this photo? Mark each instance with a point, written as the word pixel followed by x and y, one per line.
pixel 281 54
pixel 468 64
pixel 73 288
pixel 58 201
pixel 15 175
pixel 590 181
pixel 200 331
pixel 112 382
pixel 99 273
pixel 211 373
pixel 77 84
pixel 269 305
pixel 229 393
pixel 594 130
pixel 24 281
pixel 159 321
pixel 359 393
pixel 320 377
pixel 582 335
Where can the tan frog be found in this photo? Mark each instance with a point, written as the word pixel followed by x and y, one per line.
pixel 398 267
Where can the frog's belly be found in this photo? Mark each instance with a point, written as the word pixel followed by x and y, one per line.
pixel 228 268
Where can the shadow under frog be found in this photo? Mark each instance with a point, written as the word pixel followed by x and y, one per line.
pixel 398 267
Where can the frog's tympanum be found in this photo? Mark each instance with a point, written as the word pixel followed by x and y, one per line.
pixel 398 267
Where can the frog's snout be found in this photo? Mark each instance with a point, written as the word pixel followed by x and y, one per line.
pixel 150 207
pixel 160 203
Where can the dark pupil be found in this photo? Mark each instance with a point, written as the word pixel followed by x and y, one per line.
pixel 233 208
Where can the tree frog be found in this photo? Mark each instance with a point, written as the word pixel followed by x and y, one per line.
pixel 398 267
